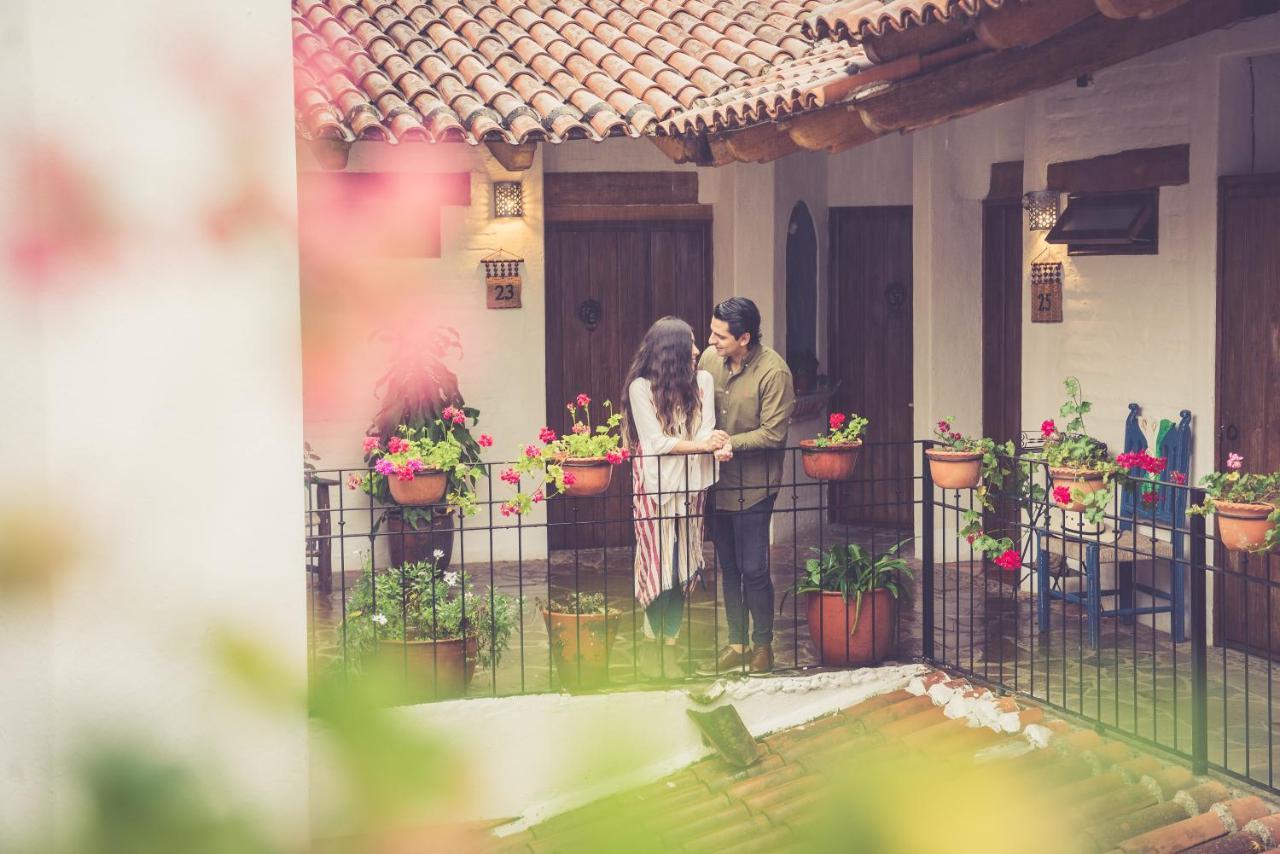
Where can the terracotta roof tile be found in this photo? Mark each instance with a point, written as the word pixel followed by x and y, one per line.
pixel 860 18
pixel 519 71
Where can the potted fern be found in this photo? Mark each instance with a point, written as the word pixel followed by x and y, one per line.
pixel 852 602
pixel 1247 506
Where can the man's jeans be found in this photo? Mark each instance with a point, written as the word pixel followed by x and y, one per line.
pixel 742 549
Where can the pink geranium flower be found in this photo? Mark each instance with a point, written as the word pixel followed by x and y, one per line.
pixel 510 476
pixel 570 478
pixel 1234 461
pixel 532 452
pixel 1178 478
pixel 354 481
pixel 583 400
pixel 485 441
pixel 580 429
pixel 537 497
pixel 614 457
pixel 944 426
pixel 370 444
pixel 546 435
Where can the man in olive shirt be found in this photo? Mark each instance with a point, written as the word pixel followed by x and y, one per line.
pixel 754 401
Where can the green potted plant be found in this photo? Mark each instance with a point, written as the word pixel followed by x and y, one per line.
pixel 957 461
pixel 417 469
pixel 852 602
pixel 582 629
pixel 578 464
pixel 416 390
pixel 833 455
pixel 431 623
pixel 1247 506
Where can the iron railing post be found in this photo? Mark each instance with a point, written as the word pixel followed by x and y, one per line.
pixel 1199 644
pixel 926 554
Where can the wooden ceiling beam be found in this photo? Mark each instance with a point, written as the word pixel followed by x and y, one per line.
pixel 514 158
pixel 1024 25
pixel 894 44
pixel 834 128
pixel 760 144
pixel 1121 9
pixel 990 79
pixel 678 149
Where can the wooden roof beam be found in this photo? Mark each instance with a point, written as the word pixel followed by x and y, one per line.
pixel 1136 8
pixel 514 158
pixel 989 79
pixel 1024 25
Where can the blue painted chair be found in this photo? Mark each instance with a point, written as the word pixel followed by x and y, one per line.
pixel 1124 544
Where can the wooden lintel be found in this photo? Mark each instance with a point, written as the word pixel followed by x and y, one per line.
pixel 1136 8
pixel 893 44
pixel 989 79
pixel 833 128
pixel 625 213
pixel 1024 25
pixel 1006 181
pixel 514 158
pixel 562 189
pixel 1136 169
pixel 760 144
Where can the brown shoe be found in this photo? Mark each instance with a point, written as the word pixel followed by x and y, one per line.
pixel 761 659
pixel 727 661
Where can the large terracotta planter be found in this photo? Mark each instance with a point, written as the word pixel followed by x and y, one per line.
pixel 407 544
pixel 834 462
pixel 427 487
pixel 1242 527
pixel 954 469
pixel 1077 480
pixel 842 642
pixel 432 670
pixel 580 645
pixel 591 476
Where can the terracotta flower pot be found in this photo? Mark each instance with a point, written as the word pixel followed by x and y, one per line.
pixel 407 544
pixel 1242 527
pixel 591 476
pixel 432 670
pixel 842 642
pixel 954 469
pixel 1082 480
pixel 580 645
pixel 427 487
pixel 835 462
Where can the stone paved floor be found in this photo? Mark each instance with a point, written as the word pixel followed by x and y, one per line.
pixel 1137 680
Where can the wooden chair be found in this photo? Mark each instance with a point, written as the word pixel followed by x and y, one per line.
pixel 1124 544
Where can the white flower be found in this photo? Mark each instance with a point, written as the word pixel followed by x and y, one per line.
pixel 380 619
pixel 437 554
pixel 451 579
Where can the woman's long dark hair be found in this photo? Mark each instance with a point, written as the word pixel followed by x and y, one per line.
pixel 665 360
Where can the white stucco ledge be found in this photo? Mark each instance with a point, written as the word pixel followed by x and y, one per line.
pixel 532 757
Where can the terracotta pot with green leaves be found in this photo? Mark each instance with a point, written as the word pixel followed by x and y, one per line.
pixel 582 630
pixel 1247 506
pixel 578 464
pixel 428 628
pixel 957 461
pixel 834 454
pixel 852 598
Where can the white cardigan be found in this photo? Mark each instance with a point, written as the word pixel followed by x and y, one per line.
pixel 662 468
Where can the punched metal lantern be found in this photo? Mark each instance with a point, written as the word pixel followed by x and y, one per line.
pixel 1042 209
pixel 508 199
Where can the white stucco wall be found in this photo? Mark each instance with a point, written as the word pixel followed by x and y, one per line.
pixel 153 395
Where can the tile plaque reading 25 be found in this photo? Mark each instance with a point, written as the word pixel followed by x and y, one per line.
pixel 1046 292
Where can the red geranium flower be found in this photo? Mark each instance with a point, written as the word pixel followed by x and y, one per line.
pixel 1048 428
pixel 836 420
pixel 583 400
pixel 1062 494
pixel 370 443
pixel 1009 560
pixel 1149 498
pixel 614 457
pixel 510 476
pixel 1178 478
pixel 944 427
pixel 537 497
pixel 570 478
pixel 485 440
pixel 546 435
pixel 532 452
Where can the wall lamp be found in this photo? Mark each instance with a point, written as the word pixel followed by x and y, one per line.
pixel 508 199
pixel 1042 209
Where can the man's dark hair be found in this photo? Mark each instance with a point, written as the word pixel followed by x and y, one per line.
pixel 742 316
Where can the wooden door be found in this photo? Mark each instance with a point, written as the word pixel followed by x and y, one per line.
pixel 871 355
pixel 1248 389
pixel 1002 338
pixel 606 283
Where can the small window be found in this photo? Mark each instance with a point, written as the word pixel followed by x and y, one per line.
pixel 1109 224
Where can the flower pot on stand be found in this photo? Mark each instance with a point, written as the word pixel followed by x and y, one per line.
pixel 834 462
pixel 581 644
pixel 1077 480
pixel 591 476
pixel 1243 527
pixel 409 544
pixel 954 469
pixel 845 639
pixel 431 669
pixel 426 487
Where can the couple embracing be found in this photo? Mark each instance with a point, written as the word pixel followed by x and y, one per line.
pixel 715 423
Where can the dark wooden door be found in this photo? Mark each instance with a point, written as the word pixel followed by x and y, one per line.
pixel 606 283
pixel 871 355
pixel 1248 388
pixel 1002 338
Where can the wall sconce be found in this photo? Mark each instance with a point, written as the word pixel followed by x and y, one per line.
pixel 508 199
pixel 1042 209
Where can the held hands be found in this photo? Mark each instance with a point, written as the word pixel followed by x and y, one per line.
pixel 717 440
pixel 725 453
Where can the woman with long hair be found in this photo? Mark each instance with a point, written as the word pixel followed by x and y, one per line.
pixel 668 424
